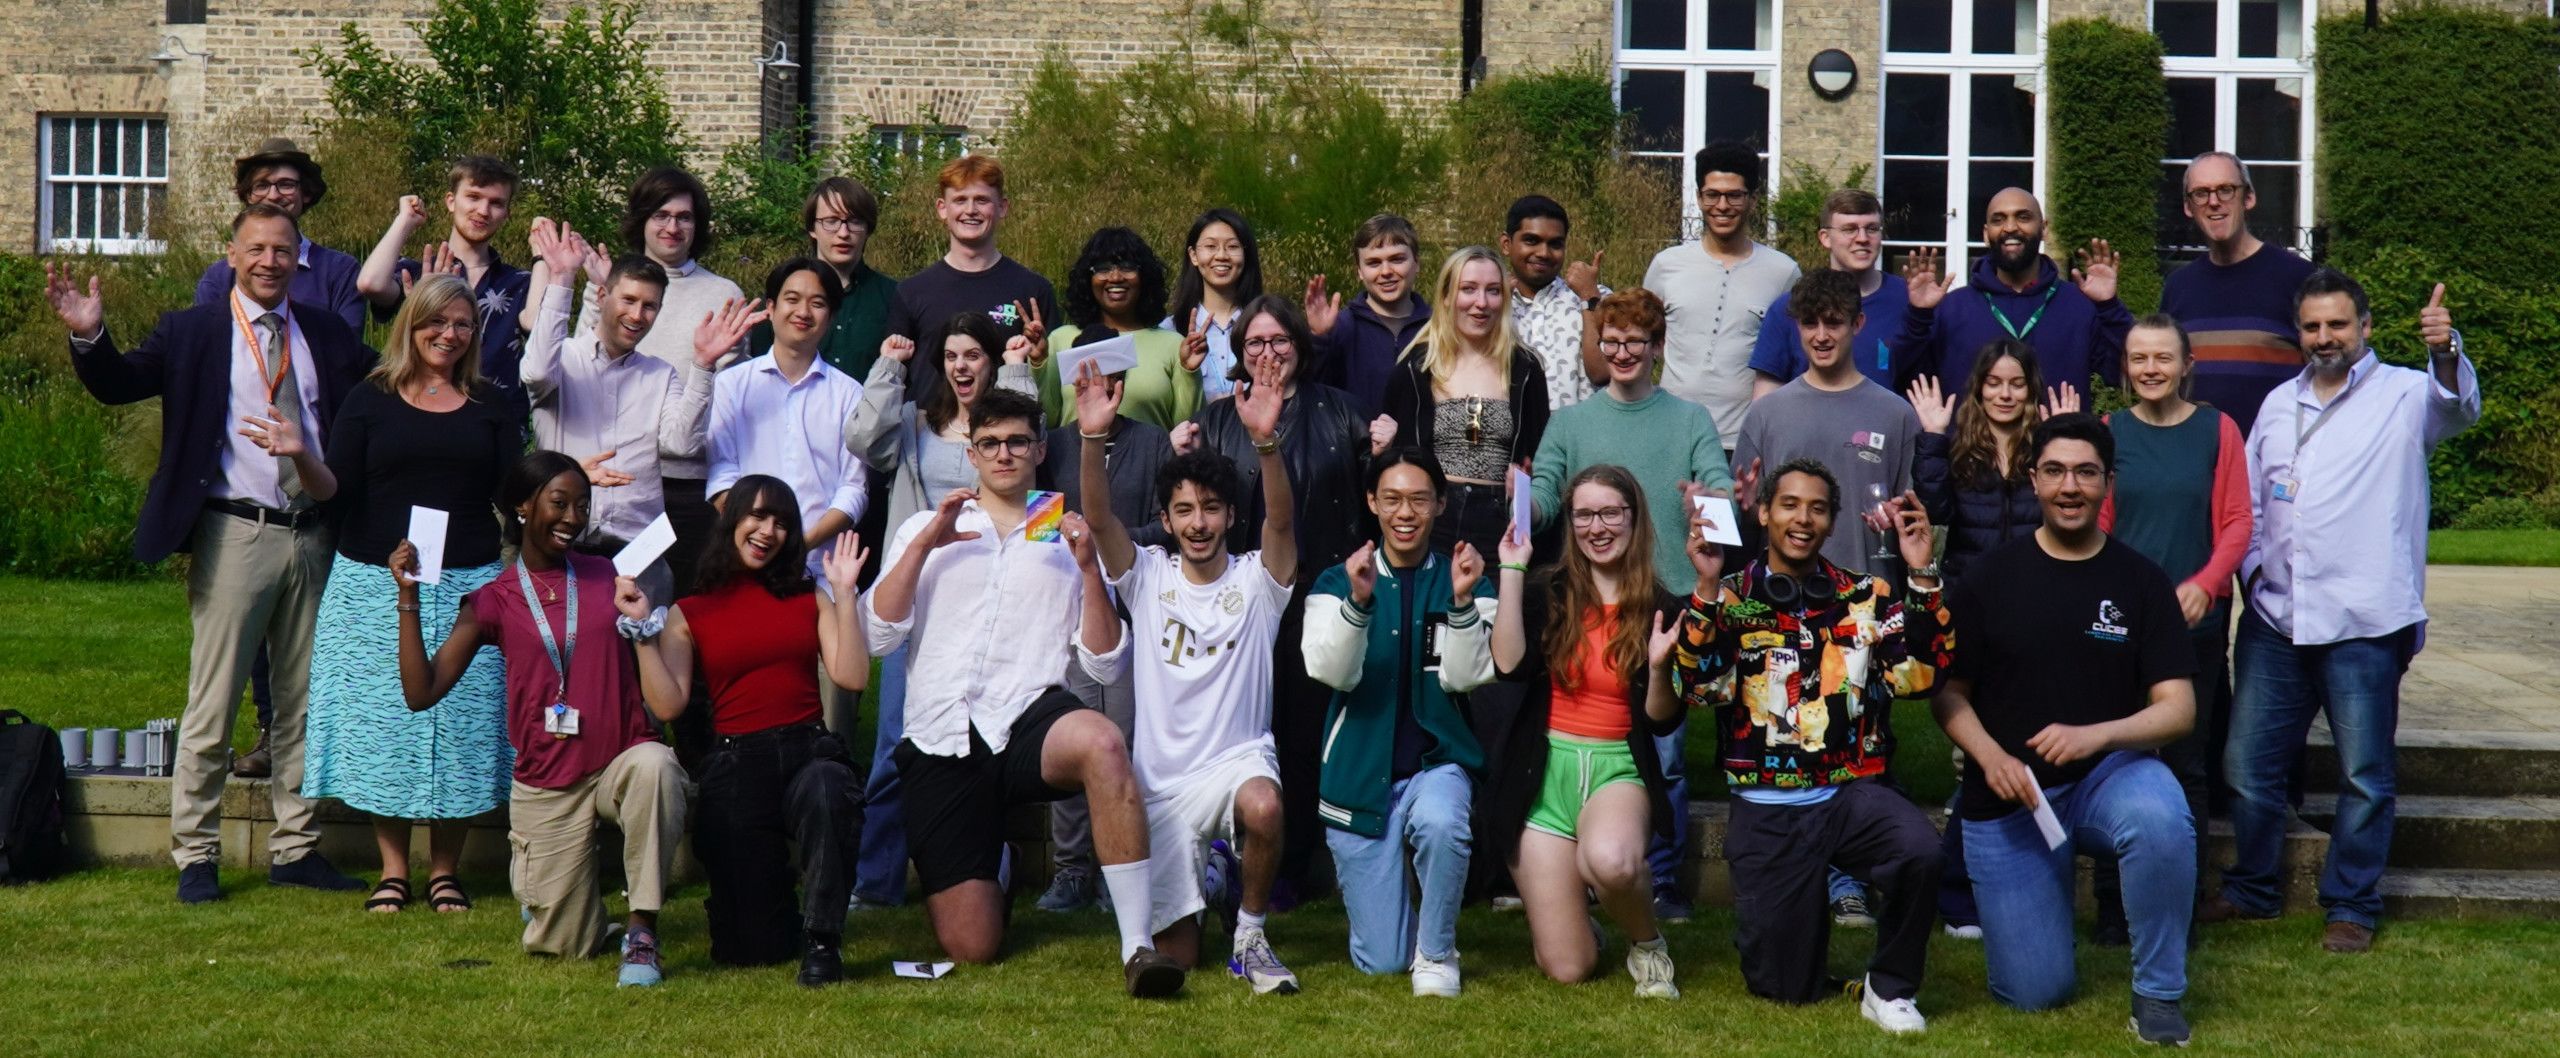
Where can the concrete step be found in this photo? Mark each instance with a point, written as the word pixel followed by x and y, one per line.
pixel 2457 763
pixel 2480 833
pixel 2460 893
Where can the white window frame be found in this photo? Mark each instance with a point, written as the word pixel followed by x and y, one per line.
pixel 1959 64
pixel 1696 61
pixel 47 180
pixel 2226 69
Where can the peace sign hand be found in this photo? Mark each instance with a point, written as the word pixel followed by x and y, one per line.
pixel 83 314
pixel 1195 347
pixel 1928 284
pixel 1034 330
pixel 2435 324
pixel 1583 277
pixel 2097 273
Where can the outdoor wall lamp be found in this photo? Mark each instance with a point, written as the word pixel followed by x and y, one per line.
pixel 172 51
pixel 1833 74
pixel 778 61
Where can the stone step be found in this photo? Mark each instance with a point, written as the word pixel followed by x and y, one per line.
pixel 2457 763
pixel 2481 833
pixel 2462 893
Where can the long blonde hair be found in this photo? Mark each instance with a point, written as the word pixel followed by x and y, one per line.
pixel 1578 598
pixel 400 364
pixel 1438 342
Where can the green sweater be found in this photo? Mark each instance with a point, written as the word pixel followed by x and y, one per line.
pixel 1662 439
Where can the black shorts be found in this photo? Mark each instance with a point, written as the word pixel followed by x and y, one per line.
pixel 955 806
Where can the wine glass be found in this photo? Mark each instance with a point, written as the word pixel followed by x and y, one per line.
pixel 1880 519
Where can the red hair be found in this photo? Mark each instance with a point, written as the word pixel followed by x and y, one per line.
pixel 970 169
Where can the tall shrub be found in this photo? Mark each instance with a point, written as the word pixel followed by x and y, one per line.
pixel 2107 125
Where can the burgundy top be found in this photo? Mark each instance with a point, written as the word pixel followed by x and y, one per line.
pixel 604 679
pixel 759 655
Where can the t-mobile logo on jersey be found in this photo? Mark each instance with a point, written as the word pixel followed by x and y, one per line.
pixel 1181 643
pixel 2110 623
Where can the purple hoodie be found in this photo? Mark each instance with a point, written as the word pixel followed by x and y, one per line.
pixel 2073 338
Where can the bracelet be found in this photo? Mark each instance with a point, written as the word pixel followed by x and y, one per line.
pixel 642 629
pixel 1521 566
pixel 1267 447
pixel 1103 436
pixel 411 608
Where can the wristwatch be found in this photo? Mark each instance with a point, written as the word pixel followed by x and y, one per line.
pixel 1591 304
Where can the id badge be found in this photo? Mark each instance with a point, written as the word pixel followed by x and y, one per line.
pixel 2287 489
pixel 560 721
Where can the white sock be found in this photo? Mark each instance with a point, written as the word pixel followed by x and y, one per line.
pixel 1128 885
pixel 1658 943
pixel 1247 922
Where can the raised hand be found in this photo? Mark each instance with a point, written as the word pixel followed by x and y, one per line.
pixel 599 265
pixel 1666 635
pixel 2064 743
pixel 1195 347
pixel 2060 399
pixel 1936 410
pixel 1706 557
pixel 1583 277
pixel 1382 433
pixel 601 476
pixel 1362 568
pixel 1020 349
pixel 1928 284
pixel 897 347
pixel 1512 549
pixel 1321 310
pixel 404 569
pixel 1466 567
pixel 408 215
pixel 723 329
pixel 1186 437
pixel 1097 400
pixel 2096 275
pixel 439 260
pixel 2435 324
pixel 1258 403
pixel 629 599
pixel 1034 329
pixel 842 565
pixel 1746 486
pixel 83 314
pixel 278 435
pixel 560 249
pixel 1912 535
pixel 943 529
pixel 1079 538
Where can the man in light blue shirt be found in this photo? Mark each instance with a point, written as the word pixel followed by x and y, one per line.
pixel 2336 582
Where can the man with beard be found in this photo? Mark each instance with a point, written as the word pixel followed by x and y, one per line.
pixel 1853 234
pixel 2237 303
pixel 2336 579
pixel 1715 290
pixel 2014 292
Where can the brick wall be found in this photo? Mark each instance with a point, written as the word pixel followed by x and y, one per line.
pixel 1541 34
pixel 65 56
pixel 1832 137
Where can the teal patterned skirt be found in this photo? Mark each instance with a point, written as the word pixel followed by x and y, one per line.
pixel 361 744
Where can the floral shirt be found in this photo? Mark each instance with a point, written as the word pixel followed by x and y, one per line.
pixel 1550 324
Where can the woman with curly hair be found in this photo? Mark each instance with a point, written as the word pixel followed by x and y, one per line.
pixel 1116 285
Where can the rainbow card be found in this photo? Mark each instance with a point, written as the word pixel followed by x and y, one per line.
pixel 1042 512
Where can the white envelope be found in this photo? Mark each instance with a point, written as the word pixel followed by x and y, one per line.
pixel 645 549
pixel 1722 526
pixel 2045 822
pixel 921 971
pixel 1110 356
pixel 1522 513
pixel 426 531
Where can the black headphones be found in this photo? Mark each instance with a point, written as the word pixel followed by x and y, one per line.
pixel 1787 592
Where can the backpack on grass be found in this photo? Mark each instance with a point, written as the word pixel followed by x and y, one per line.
pixel 32 784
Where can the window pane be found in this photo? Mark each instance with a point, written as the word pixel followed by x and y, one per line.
pixel 2279 208
pixel 1918 25
pixel 84 212
pixel 158 205
pixel 58 161
pixel 1658 24
pixel 159 153
pixel 2270 29
pixel 133 142
pixel 1737 108
pixel 2190 116
pixel 111 212
pixel 2172 229
pixel 84 153
pixel 2004 117
pixel 1915 201
pixel 1735 24
pixel 2004 27
pixel 63 207
pixel 1915 113
pixel 1988 179
pixel 1657 100
pixel 2269 119
pixel 2185 27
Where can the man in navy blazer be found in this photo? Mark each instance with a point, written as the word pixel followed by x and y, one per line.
pixel 262 552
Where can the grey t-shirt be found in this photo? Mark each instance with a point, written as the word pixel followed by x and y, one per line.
pixel 1865 435
pixel 1711 314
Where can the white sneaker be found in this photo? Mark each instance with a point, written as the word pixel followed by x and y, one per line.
pixel 1901 1017
pixel 1964 932
pixel 1435 977
pixel 1651 967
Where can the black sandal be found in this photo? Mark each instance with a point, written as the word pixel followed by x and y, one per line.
pixel 397 898
pixel 445 893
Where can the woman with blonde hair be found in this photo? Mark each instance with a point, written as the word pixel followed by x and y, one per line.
pixel 424 430
pixel 1468 393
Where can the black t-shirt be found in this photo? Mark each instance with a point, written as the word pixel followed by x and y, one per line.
pixel 389 455
pixel 931 297
pixel 2047 641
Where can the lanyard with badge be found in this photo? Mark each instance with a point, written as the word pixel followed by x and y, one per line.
pixel 559 721
pixel 284 345
pixel 2020 332
pixel 2290 489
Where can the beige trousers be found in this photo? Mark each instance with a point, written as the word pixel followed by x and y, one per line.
pixel 553 835
pixel 250 584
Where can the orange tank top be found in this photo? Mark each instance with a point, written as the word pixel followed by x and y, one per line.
pixel 1594 703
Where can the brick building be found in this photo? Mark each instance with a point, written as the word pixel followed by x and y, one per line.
pixel 101 101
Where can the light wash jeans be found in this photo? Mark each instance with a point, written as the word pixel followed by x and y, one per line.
pixel 1428 814
pixel 2132 808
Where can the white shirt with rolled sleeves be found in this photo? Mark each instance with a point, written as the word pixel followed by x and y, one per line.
pixel 763 423
pixel 995 620
pixel 2346 557
pixel 635 406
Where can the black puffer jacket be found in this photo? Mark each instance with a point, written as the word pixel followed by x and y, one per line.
pixel 1325 444
pixel 1979 515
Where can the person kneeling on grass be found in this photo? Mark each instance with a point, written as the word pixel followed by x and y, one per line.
pixel 586 752
pixel 1401 635
pixel 1202 716
pixel 775 776
pixel 1583 790
pixel 1803 660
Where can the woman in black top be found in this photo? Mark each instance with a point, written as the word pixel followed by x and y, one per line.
pixel 424 431
pixel 1467 392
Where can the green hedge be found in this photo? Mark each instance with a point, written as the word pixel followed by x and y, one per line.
pixel 2107 124
pixel 2440 150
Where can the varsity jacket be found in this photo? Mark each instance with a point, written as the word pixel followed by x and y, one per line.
pixel 1376 661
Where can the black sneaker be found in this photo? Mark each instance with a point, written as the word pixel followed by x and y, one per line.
pixel 1850 912
pixel 1669 907
pixel 2158 1021
pixel 1153 976
pixel 312 872
pixel 198 884
pixel 821 962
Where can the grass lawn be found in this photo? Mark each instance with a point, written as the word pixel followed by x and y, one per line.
pixel 286 972
pixel 2494 547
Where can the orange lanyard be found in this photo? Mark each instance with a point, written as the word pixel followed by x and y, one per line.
pixel 284 340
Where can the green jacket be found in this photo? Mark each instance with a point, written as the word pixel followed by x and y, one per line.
pixel 1375 661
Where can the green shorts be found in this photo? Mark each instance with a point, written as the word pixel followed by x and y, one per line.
pixel 1576 769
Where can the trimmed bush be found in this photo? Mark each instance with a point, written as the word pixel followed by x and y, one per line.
pixel 2107 124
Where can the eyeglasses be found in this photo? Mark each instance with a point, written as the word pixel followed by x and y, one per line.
pixel 1854 231
pixel 449 326
pixel 681 220
pixel 1267 346
pixel 1729 198
pixel 986 447
pixel 264 186
pixel 830 225
pixel 2085 473
pixel 1630 345
pixel 1605 517
pixel 2222 192
pixel 1414 501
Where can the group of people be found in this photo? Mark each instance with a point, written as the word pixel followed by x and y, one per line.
pixel 1218 572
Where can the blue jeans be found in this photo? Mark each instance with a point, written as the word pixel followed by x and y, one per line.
pixel 2279 688
pixel 2131 808
pixel 1665 853
pixel 880 869
pixel 1427 813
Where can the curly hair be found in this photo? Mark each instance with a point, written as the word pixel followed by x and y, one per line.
pixel 1104 249
pixel 787 573
pixel 1204 468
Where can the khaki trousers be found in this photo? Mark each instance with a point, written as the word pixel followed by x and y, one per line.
pixel 251 584
pixel 553 836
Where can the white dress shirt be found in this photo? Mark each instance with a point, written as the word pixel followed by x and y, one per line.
pixel 996 619
pixel 2346 557
pixel 763 423
pixel 634 406
pixel 249 474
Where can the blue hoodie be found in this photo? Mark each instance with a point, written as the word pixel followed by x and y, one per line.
pixel 1359 355
pixel 2074 337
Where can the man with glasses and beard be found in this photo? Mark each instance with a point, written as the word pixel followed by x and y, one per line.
pixel 2014 292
